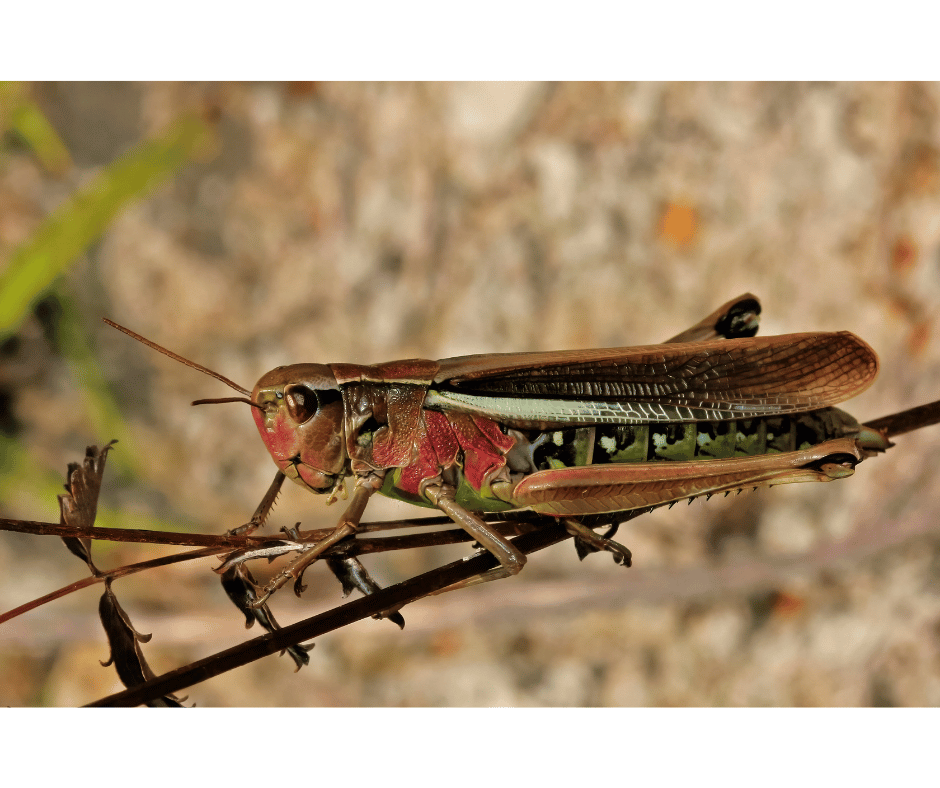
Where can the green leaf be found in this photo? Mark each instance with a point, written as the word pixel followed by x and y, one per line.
pixel 27 120
pixel 83 218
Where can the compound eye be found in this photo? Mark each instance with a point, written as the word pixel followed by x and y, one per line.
pixel 301 403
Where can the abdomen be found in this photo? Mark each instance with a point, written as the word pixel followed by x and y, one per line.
pixel 677 442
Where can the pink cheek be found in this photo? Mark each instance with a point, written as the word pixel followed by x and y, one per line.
pixel 281 440
pixel 316 479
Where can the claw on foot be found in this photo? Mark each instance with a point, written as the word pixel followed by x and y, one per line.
pixel 586 541
pixel 244 529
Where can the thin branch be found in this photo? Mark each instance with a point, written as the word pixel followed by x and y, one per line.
pixel 392 597
pixel 907 420
pixel 215 541
pixel 381 544
pixel 140 535
pixel 347 549
pixel 87 582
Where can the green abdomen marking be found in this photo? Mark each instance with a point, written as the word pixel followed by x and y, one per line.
pixel 683 442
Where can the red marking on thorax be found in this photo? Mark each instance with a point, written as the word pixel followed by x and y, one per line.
pixel 448 439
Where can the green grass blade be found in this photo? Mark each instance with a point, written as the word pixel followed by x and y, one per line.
pixel 34 266
pixel 28 121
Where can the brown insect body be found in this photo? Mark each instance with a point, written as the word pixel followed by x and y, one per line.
pixel 464 416
pixel 688 417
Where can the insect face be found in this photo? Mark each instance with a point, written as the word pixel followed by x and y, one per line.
pixel 300 418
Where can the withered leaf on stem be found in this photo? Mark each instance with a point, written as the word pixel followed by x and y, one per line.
pixel 79 504
pixel 240 586
pixel 126 654
pixel 352 574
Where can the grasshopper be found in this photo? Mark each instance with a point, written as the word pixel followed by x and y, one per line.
pixel 571 434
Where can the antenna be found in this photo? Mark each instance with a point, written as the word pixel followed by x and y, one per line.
pixel 218 400
pixel 185 361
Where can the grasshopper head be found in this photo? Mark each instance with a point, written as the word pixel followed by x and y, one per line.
pixel 299 414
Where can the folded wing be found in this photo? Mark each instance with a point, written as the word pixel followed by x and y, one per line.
pixel 694 381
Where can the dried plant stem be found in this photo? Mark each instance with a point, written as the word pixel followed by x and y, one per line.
pixel 907 420
pixel 215 544
pixel 218 541
pixel 87 582
pixel 392 597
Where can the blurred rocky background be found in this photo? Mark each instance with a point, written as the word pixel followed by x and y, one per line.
pixel 251 225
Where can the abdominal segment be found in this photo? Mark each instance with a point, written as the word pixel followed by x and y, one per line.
pixel 677 442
